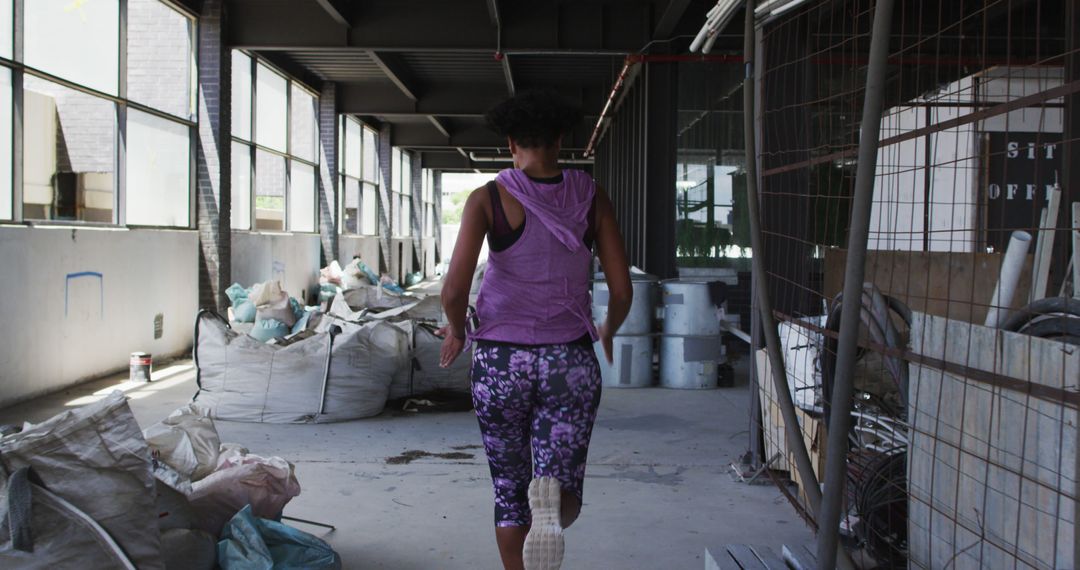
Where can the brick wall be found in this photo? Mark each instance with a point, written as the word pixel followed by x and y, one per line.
pixel 213 158
pixel 436 185
pixel 417 212
pixel 386 187
pixel 159 57
pixel 328 168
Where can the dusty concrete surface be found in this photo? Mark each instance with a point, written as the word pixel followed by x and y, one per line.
pixel 413 491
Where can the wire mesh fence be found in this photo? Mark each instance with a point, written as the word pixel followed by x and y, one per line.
pixel 962 451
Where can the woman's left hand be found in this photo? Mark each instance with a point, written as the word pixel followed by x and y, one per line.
pixel 452 346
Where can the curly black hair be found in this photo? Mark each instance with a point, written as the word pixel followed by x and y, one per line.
pixel 534 118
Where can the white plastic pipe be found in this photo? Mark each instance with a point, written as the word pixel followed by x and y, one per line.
pixel 1011 266
pixel 1047 230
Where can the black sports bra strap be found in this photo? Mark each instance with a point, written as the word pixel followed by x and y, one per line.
pixel 499 224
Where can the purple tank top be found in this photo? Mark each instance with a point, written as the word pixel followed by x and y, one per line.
pixel 537 290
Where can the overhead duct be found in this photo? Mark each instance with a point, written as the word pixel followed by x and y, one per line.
pixel 503 158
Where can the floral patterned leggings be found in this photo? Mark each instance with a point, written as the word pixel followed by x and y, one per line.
pixel 536 406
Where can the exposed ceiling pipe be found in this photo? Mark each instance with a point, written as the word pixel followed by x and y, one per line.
pixel 715 21
pixel 626 77
pixel 476 158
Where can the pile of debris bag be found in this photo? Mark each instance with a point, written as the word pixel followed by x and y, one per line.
pixel 361 286
pixel 266 312
pixel 345 365
pixel 88 489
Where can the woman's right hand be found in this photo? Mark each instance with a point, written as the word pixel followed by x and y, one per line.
pixel 452 346
pixel 606 338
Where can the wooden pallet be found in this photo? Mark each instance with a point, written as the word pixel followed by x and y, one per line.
pixel 754 557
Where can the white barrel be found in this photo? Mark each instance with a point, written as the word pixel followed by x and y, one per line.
pixel 689 309
pixel 642 310
pixel 690 362
pixel 632 362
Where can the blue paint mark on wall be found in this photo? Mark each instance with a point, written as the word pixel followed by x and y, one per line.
pixel 277 268
pixel 101 289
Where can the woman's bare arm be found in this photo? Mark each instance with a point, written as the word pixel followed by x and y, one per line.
pixel 612 254
pixel 458 280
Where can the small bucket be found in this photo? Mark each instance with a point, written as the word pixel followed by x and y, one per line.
pixel 139 367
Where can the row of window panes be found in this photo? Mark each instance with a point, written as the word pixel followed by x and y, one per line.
pixel 284 120
pixel 70 137
pixel 358 152
pixel 358 164
pixel 401 168
pixel 427 196
pixel 360 207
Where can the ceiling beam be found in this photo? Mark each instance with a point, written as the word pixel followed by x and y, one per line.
pixel 439 126
pixel 672 16
pixel 392 25
pixel 424 135
pixel 471 136
pixel 394 70
pixel 384 98
pixel 329 7
pixel 508 74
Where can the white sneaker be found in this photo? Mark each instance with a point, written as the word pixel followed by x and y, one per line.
pixel 544 544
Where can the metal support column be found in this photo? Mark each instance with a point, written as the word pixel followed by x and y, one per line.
pixel 840 418
pixel 795 441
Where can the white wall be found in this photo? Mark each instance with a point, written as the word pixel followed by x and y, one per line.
pixel 292 259
pixel 897 218
pixel 367 247
pixel 61 328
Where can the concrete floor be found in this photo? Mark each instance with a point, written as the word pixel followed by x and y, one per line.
pixel 657 493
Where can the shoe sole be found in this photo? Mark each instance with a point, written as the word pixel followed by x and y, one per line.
pixel 544 546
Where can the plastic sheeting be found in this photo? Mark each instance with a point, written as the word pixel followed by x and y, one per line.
pixel 266 484
pixel 425 375
pixel 187 441
pixel 42 531
pixel 250 543
pixel 324 378
pixel 95 458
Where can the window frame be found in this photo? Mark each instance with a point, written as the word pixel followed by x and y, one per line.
pixel 121 104
pixel 255 60
pixel 364 180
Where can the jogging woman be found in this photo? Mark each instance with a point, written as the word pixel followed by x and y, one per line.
pixel 535 377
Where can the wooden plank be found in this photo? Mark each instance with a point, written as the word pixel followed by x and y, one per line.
pixel 990 468
pixel 769 557
pixel 719 559
pixel 772 419
pixel 799 558
pixel 956 285
pixel 745 557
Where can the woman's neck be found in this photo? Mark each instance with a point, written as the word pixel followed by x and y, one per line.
pixel 537 166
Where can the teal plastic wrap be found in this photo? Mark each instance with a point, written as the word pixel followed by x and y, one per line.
pixel 297 307
pixel 236 294
pixel 268 329
pixel 251 543
pixel 244 312
pixel 371 275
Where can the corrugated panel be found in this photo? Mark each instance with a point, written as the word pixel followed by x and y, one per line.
pixel 537 70
pixel 338 65
pixel 454 67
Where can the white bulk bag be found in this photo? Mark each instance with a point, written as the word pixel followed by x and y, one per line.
pixel 95 458
pixel 187 441
pixel 335 375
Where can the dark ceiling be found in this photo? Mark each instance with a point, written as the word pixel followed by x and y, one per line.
pixel 431 68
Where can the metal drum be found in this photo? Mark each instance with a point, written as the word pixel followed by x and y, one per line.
pixel 689 309
pixel 642 310
pixel 690 362
pixel 632 357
